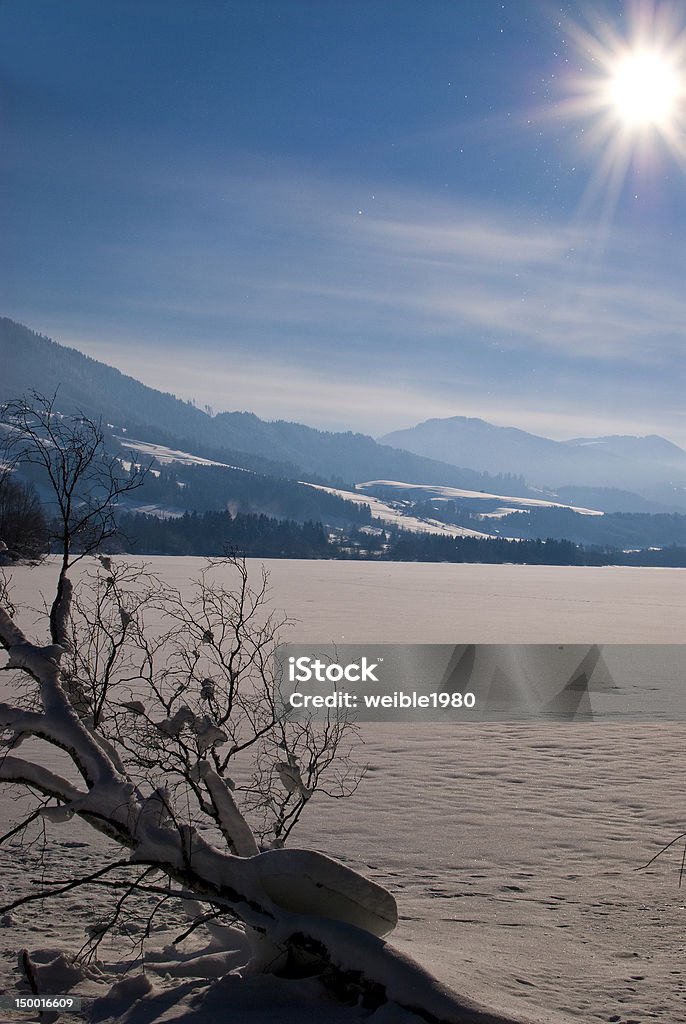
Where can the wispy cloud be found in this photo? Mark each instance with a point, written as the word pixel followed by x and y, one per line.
pixel 531 287
pixel 285 287
pixel 325 256
pixel 342 399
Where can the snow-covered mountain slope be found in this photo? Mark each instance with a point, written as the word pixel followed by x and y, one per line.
pixel 391 512
pixel 509 502
pixel 164 455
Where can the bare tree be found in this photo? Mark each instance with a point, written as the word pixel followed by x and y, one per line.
pixel 183 687
pixel 85 481
pixel 155 696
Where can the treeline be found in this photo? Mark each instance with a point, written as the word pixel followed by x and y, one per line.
pixel 215 533
pixel 434 547
pixel 621 530
pixel 673 557
pixel 24 529
pixel 616 529
pixel 216 488
pixel 551 551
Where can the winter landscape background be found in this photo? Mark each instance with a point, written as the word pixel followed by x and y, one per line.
pixel 387 298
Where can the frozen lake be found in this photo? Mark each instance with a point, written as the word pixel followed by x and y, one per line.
pixel 410 602
pixel 512 849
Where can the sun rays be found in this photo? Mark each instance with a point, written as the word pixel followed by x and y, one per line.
pixel 628 95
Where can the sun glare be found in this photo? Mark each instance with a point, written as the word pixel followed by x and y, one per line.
pixel 644 89
pixel 628 94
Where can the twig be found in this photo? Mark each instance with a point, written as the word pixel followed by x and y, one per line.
pixel 22 825
pixel 664 850
pixel 197 923
pixel 73 884
pixel 94 941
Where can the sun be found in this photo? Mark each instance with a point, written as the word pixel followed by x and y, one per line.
pixel 624 97
pixel 644 89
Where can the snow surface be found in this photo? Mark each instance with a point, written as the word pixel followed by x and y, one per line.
pixel 165 455
pixel 389 513
pixel 511 849
pixel 438 490
pixel 159 511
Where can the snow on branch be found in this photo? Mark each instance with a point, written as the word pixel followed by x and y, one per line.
pixel 234 828
pixel 35 776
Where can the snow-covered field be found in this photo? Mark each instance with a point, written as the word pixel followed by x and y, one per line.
pixel 512 849
pixel 164 455
pixel 452 493
pixel 394 515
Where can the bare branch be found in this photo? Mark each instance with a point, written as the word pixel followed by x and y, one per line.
pixel 85 481
pixel 664 849
pixel 73 883
pixel 20 827
pixel 203 919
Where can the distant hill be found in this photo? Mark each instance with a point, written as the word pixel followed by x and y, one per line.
pixel 628 446
pixel 30 360
pixel 609 499
pixel 350 456
pixel 651 467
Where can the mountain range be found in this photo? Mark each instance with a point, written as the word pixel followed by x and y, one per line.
pixel 30 360
pixel 614 473
pixel 652 467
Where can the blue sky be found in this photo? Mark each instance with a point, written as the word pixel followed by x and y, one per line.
pixel 354 214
